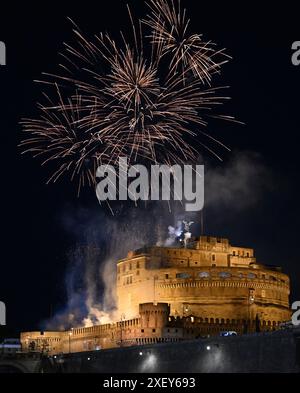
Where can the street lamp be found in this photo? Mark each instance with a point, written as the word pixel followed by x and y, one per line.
pixel 154 284
pixel 121 332
pixel 251 300
pixel 70 335
pixel 185 309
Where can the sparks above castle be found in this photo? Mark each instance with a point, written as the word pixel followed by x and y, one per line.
pixel 172 293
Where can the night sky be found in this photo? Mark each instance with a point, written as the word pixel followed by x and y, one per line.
pixel 264 86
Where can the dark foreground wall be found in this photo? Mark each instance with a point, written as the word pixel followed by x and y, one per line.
pixel 277 352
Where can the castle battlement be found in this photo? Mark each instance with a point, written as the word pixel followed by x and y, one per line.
pixel 209 278
pixel 175 293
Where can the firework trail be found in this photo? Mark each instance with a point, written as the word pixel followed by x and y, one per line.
pixel 139 101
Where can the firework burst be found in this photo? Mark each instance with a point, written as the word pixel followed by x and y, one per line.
pixel 146 101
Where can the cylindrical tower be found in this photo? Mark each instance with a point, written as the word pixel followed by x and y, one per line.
pixel 210 280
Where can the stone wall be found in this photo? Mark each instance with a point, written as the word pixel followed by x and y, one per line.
pixel 269 353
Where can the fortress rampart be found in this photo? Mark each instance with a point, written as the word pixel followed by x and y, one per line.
pixel 168 294
pixel 208 279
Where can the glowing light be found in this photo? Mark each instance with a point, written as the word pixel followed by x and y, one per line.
pixel 149 363
pixel 141 353
pixel 208 348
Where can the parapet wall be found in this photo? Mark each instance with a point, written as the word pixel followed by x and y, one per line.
pixel 276 352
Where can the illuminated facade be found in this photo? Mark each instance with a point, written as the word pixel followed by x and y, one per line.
pixel 209 279
pixel 170 294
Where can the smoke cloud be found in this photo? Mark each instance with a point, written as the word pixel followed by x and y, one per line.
pixel 239 184
pixel 100 241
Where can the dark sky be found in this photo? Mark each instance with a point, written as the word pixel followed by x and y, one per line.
pixel 265 91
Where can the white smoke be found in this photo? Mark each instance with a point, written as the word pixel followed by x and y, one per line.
pixel 101 241
pixel 173 233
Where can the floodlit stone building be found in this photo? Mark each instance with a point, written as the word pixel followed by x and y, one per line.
pixel 180 293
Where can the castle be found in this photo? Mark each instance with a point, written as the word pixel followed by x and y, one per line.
pixel 180 293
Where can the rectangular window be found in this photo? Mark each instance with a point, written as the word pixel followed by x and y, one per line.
pixel 213 257
pixel 183 275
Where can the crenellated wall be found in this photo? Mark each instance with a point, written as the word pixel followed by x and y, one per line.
pixel 173 294
pixel 276 352
pixel 209 279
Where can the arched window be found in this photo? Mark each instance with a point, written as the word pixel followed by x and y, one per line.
pixel 203 274
pixel 224 274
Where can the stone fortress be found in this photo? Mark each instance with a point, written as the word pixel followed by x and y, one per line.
pixel 179 293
